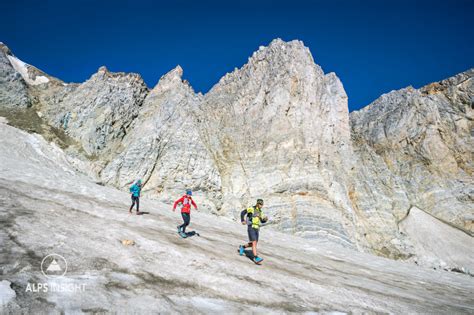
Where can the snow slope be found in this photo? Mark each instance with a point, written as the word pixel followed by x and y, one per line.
pixel 47 206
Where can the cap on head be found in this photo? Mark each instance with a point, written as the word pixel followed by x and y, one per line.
pixel 260 202
pixel 139 182
pixel 189 192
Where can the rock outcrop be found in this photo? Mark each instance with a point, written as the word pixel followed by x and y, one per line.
pixel 13 88
pixel 416 149
pixel 278 128
pixel 424 137
pixel 164 148
pixel 98 112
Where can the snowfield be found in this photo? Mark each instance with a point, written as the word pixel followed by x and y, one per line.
pixel 47 206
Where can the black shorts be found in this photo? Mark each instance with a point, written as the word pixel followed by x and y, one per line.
pixel 253 234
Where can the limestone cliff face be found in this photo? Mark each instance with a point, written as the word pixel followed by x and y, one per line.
pixel 164 148
pixel 423 139
pixel 414 150
pixel 97 112
pixel 277 129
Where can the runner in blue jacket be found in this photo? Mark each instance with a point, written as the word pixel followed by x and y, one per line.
pixel 135 190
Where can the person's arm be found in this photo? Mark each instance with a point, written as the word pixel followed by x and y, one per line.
pixel 194 204
pixel 176 202
pixel 242 216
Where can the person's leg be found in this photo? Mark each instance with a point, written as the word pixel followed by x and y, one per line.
pixel 254 243
pixel 249 233
pixel 181 227
pixel 254 248
pixel 253 238
pixel 133 203
pixel 187 219
pixel 138 203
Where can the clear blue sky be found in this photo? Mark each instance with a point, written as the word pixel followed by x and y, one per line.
pixel 373 46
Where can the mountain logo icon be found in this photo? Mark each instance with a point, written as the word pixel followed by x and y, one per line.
pixel 53 266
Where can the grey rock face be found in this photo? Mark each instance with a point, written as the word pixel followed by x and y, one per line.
pixel 13 89
pixel 97 112
pixel 424 141
pixel 379 202
pixel 279 129
pixel 164 148
pixel 414 149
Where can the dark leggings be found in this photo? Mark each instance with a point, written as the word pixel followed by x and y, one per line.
pixel 186 219
pixel 135 200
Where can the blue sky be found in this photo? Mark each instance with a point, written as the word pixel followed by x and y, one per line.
pixel 373 46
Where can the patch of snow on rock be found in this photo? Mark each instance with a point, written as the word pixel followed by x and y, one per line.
pixel 6 293
pixel 22 68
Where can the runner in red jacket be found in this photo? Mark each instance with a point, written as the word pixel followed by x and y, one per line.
pixel 186 201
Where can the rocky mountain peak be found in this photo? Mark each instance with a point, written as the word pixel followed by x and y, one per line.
pixel 444 85
pixel 31 75
pixel 5 49
pixel 103 73
pixel 174 74
pixel 170 80
pixel 277 61
pixel 280 48
pixel 177 73
pixel 103 69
